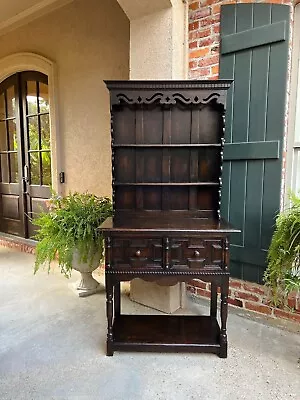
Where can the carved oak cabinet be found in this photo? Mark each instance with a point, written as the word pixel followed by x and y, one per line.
pixel 167 147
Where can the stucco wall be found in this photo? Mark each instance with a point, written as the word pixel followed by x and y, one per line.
pixel 153 59
pixel 89 41
pixel 158 48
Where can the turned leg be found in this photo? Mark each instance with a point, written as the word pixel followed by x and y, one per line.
pixel 117 299
pixel 109 314
pixel 224 314
pixel 213 300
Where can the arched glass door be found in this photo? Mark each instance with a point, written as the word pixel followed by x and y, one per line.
pixel 25 155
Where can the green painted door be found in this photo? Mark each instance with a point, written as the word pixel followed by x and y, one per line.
pixel 254 52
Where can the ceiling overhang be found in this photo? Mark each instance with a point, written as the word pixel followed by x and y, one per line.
pixel 21 12
pixel 16 13
pixel 135 9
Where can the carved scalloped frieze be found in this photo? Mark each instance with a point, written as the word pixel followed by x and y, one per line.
pixel 167 98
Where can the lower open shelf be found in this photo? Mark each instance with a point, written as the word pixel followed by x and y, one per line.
pixel 167 333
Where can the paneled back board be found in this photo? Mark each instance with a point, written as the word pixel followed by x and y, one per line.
pixel 167 147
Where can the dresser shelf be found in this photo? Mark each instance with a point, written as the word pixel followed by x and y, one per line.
pixel 166 333
pixel 157 145
pixel 166 183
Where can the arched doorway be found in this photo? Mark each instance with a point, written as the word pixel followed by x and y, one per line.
pixel 25 151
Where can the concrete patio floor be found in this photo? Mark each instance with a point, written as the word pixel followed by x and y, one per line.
pixel 52 346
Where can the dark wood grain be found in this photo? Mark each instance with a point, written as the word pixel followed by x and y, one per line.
pixel 213 300
pixel 158 332
pixel 165 223
pixel 109 313
pixel 117 302
pixel 163 138
pixel 167 150
pixel 224 314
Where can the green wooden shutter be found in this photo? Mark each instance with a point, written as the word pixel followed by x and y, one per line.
pixel 254 52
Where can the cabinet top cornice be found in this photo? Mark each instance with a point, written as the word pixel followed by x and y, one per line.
pixel 221 84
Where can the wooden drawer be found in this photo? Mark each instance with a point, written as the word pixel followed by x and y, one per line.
pixel 196 253
pixel 137 253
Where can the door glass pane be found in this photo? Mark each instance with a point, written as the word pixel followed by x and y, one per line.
pixel 4 168
pixel 13 144
pixel 31 97
pixel 33 133
pixel 46 167
pixel 3 137
pixel 13 158
pixel 34 160
pixel 45 132
pixel 2 106
pixel 43 97
pixel 11 102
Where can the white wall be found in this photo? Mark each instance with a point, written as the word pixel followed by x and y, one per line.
pixel 293 139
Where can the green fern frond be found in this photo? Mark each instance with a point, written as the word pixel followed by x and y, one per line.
pixel 284 250
pixel 72 223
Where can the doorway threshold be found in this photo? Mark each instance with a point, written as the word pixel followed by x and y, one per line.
pixel 18 243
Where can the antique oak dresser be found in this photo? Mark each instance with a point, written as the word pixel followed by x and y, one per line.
pixel 167 148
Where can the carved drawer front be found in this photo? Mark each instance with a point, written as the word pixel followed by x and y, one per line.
pixel 196 253
pixel 137 252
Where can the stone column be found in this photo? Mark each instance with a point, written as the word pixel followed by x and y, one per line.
pixel 158 50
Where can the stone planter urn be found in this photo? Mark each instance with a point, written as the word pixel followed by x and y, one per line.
pixel 87 285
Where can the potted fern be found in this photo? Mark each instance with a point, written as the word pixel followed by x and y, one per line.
pixel 69 234
pixel 283 272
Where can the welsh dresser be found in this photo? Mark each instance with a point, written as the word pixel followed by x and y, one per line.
pixel 167 141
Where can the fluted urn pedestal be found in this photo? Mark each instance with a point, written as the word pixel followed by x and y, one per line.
pixel 87 285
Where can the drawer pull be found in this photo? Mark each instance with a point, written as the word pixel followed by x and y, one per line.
pixel 138 253
pixel 196 253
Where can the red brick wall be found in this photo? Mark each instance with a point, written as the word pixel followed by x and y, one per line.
pixel 204 36
pixel 251 296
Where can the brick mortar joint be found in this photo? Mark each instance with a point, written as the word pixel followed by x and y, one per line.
pixel 260 292
pixel 284 314
pixel 236 295
pixel 23 247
